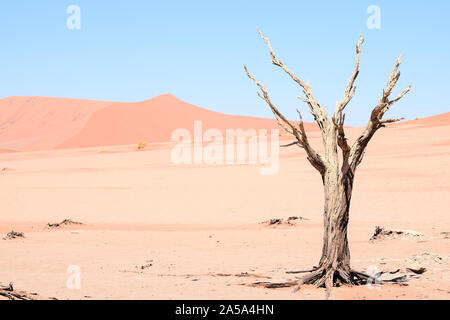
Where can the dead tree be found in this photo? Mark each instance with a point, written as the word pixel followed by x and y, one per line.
pixel 337 174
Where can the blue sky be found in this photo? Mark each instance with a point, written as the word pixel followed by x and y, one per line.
pixel 133 50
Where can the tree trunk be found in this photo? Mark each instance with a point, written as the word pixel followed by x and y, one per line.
pixel 334 265
pixel 335 252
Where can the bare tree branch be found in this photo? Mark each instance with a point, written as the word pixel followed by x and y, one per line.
pixel 302 140
pixel 319 112
pixel 341 138
pixel 376 118
pixel 391 120
pixel 351 88
pixel 290 144
pixel 338 116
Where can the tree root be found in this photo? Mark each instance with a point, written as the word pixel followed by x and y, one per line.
pixel 329 278
pixel 302 271
pixel 335 277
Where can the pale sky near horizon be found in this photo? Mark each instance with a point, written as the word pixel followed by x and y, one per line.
pixel 134 50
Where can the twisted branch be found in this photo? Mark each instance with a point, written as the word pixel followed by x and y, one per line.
pixel 319 112
pixel 353 155
pixel 338 116
pixel 376 120
pixel 299 133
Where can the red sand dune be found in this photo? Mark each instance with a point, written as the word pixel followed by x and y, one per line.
pixel 154 120
pixel 37 123
pixel 433 121
pixel 42 123
pixel 6 151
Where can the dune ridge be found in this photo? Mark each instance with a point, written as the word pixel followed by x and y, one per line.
pixel 43 123
pixel 154 120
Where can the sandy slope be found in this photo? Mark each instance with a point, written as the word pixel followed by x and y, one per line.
pixel 41 123
pixel 198 226
pixel 434 121
pixel 36 123
pixel 154 120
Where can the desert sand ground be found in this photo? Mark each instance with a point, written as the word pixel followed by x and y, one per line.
pixel 154 230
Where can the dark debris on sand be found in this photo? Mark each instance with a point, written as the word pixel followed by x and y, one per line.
pixel 14 235
pixel 382 233
pixel 279 221
pixel 62 223
pixel 10 293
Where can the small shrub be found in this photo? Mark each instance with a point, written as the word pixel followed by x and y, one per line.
pixel 141 146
